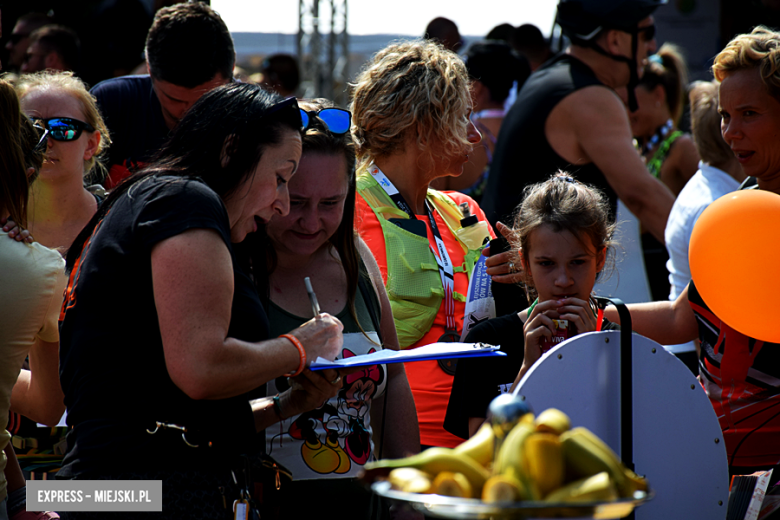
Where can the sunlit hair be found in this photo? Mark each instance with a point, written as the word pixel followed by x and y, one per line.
pixel 94 171
pixel 13 170
pixel 411 89
pixel 668 69
pixel 705 124
pixel 760 49
pixel 567 205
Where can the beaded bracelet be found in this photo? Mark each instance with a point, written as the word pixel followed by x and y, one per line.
pixel 301 352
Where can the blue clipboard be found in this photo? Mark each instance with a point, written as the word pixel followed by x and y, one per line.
pixel 427 352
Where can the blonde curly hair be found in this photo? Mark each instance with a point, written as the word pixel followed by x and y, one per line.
pixel 759 49
pixel 413 88
pixel 74 86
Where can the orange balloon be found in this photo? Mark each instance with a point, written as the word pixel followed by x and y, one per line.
pixel 734 256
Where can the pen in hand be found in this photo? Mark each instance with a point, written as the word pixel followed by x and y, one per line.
pixel 315 306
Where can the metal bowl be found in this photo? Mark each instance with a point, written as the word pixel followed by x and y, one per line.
pixel 468 508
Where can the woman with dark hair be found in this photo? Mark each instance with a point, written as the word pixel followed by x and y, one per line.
pixel 31 276
pixel 669 153
pixel 163 337
pixel 373 412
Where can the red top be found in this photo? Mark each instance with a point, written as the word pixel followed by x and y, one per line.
pixel 741 376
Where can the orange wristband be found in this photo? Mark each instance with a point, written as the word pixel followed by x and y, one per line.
pixel 301 353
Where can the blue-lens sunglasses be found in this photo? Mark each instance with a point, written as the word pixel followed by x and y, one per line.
pixel 64 128
pixel 336 120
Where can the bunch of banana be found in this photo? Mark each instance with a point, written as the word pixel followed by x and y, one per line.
pixel 587 455
pixel 547 460
pixel 448 472
pixel 539 458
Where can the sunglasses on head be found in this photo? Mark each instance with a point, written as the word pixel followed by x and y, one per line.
pixel 289 102
pixel 65 128
pixel 336 120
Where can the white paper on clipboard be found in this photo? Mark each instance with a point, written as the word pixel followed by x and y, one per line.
pixel 432 351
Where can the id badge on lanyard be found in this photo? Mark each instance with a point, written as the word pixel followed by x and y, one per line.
pixel 480 305
pixel 443 262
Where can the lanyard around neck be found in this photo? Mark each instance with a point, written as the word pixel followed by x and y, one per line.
pixel 442 258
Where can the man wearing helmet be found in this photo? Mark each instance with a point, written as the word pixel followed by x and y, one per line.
pixel 569 116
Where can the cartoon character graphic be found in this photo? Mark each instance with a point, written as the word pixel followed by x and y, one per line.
pixel 346 436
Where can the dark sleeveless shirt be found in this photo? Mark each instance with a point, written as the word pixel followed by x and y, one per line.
pixel 523 156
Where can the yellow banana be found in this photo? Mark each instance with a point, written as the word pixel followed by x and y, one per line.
pixel 436 460
pixel 634 482
pixel 452 484
pixel 597 488
pixel 410 480
pixel 543 461
pixel 585 455
pixel 552 420
pixel 501 488
pixel 509 461
pixel 480 446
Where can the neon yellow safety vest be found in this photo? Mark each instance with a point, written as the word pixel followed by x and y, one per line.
pixel 413 281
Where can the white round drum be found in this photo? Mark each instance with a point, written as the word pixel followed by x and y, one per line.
pixel 677 442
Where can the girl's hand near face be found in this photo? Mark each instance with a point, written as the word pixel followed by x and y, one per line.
pixel 578 312
pixel 538 325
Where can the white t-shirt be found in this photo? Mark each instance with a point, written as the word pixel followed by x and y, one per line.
pixel 32 280
pixel 708 184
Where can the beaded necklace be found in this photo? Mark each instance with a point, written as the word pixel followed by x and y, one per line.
pixel 662 132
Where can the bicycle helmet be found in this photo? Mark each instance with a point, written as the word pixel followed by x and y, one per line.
pixel 583 20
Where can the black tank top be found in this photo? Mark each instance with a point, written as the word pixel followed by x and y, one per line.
pixel 523 156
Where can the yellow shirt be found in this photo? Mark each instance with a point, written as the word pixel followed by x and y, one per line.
pixel 32 279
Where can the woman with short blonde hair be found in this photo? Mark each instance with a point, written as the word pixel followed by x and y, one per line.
pixel 415 89
pixel 760 49
pixel 411 125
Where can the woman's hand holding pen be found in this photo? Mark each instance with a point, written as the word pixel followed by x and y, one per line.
pixel 320 337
